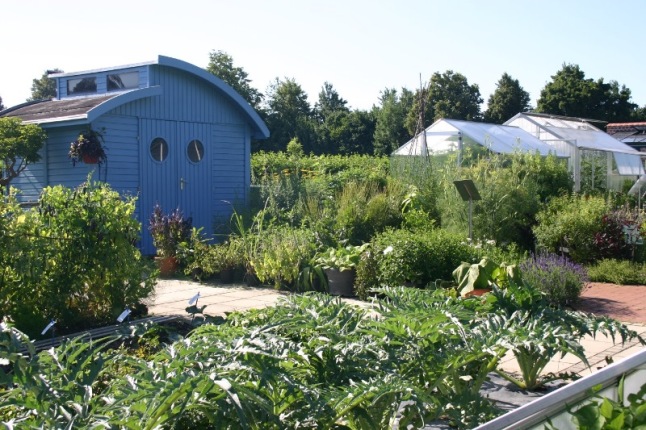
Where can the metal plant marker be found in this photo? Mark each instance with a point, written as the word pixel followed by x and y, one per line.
pixel 468 192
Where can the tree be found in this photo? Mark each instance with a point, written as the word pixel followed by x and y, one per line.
pixel 19 146
pixel 508 100
pixel 338 129
pixel 221 65
pixel 571 94
pixel 45 87
pixel 448 95
pixel 288 115
pixel 346 132
pixel 639 114
pixel 1 105
pixel 329 102
pixel 390 117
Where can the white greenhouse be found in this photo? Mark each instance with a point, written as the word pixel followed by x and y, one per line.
pixel 584 143
pixel 447 135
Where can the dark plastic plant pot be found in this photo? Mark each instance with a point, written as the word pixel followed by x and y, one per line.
pixel 226 276
pixel 341 283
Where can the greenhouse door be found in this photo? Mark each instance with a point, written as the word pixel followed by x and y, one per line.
pixel 175 173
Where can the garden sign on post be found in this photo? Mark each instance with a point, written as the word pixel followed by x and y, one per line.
pixel 468 192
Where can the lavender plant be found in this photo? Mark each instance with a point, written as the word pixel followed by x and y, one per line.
pixel 559 278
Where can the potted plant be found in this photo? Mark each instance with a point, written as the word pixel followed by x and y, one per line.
pixel 169 232
pixel 87 148
pixel 229 256
pixel 339 266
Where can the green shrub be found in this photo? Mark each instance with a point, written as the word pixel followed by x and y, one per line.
pixel 418 257
pixel 512 188
pixel 621 272
pixel 202 260
pixel 571 222
pixel 72 258
pixel 364 210
pixel 560 279
pixel 367 276
pixel 280 253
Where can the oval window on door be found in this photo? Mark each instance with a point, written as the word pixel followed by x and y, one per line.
pixel 159 149
pixel 195 151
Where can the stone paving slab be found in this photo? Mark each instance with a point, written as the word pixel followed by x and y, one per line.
pixel 172 297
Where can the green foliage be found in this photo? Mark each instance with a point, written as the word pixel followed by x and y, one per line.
pixel 20 145
pixel 537 332
pixel 484 275
pixel 367 273
pixel 311 361
pixel 342 259
pixel 280 254
pixel 604 413
pixel 451 96
pixel 221 66
pixel 333 169
pixel 364 210
pixel 288 115
pixel 390 125
pixel 202 260
pixel 508 100
pixel 571 222
pixel 44 88
pixel 72 258
pixel 571 94
pixel 622 272
pixel 512 189
pixel 418 257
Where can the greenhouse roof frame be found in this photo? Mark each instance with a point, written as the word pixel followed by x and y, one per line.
pixel 447 135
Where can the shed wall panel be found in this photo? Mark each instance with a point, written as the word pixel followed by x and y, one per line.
pixel 184 98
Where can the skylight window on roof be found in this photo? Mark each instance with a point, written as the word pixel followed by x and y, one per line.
pixel 81 85
pixel 123 81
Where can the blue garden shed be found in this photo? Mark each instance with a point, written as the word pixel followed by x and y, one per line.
pixel 173 134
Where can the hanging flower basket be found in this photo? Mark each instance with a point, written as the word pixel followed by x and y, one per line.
pixel 87 148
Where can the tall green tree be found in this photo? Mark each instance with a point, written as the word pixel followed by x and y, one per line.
pixel 329 102
pixel 338 129
pixel 508 99
pixel 570 93
pixel 44 88
pixel 221 65
pixel 346 132
pixel 1 105
pixel 390 120
pixel 288 115
pixel 449 96
pixel 19 146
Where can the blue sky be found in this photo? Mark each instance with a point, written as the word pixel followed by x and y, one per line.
pixel 360 47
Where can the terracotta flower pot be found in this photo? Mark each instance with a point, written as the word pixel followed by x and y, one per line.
pixel 90 159
pixel 478 292
pixel 167 265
